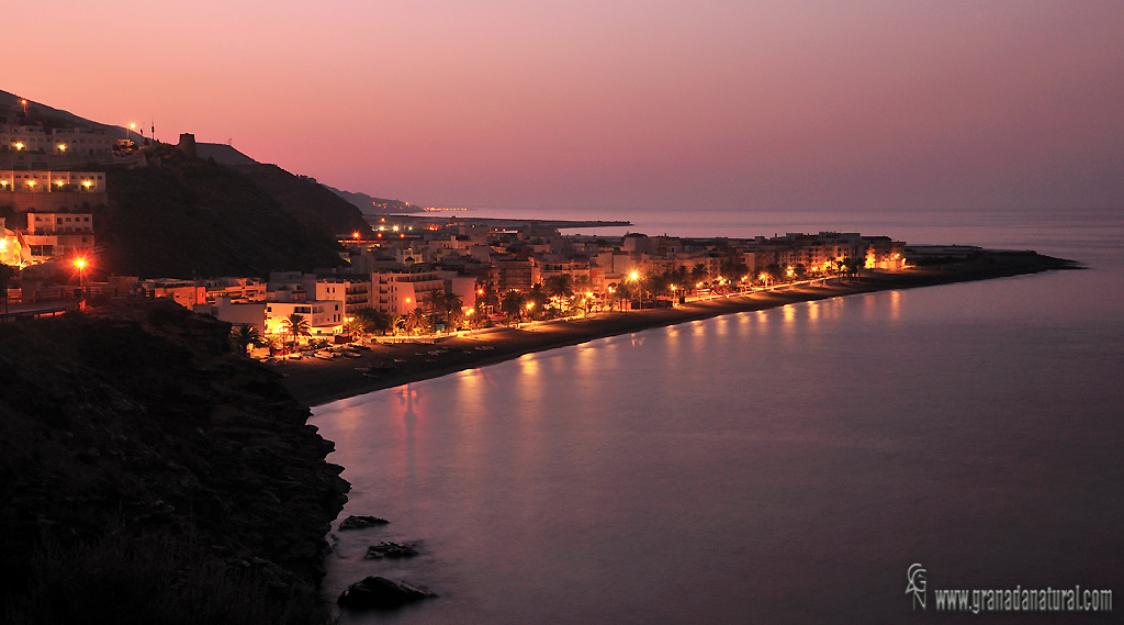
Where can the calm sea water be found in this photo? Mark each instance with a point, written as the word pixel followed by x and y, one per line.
pixel 783 466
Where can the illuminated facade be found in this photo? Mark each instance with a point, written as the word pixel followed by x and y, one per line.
pixel 324 318
pixel 74 142
pixel 47 181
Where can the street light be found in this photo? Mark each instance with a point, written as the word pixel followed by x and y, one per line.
pixel 80 264
pixel 634 277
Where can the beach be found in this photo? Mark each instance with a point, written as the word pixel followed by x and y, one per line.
pixel 315 382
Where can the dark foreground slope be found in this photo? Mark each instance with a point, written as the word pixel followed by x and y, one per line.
pixel 184 217
pixel 150 475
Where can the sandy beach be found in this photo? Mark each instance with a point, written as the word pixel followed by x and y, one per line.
pixel 313 381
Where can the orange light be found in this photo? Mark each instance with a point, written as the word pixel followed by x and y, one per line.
pixel 19 146
pixel 87 183
pixel 355 235
pixel 80 263
pixel 479 291
pixel 409 299
pixel 62 147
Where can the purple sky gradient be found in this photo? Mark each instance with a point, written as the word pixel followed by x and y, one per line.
pixel 615 105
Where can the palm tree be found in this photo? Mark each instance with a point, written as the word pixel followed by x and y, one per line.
pixel 296 325
pixel 417 322
pixel 435 301
pixel 373 321
pixel 244 336
pixel 398 324
pixel 699 273
pixel 561 285
pixel 513 304
pixel 454 309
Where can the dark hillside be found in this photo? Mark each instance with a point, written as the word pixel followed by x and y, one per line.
pixel 145 465
pixel 185 217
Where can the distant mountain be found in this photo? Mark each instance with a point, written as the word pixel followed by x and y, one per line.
pixel 371 205
pixel 218 213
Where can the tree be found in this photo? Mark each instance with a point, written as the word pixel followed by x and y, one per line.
pixel 734 268
pixel 244 335
pixel 854 264
pixel 513 304
pixel 698 273
pixel 373 321
pixel 536 296
pixel 444 306
pixel 417 322
pixel 561 285
pixel 295 326
pixel 774 272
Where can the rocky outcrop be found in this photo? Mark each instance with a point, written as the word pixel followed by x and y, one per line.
pixel 391 550
pixel 380 593
pixel 141 423
pixel 361 521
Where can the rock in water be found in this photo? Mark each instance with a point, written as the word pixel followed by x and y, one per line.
pixel 361 521
pixel 380 593
pixel 391 550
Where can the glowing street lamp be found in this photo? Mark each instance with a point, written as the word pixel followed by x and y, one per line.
pixel 80 265
pixel 62 148
pixel 355 235
pixel 19 146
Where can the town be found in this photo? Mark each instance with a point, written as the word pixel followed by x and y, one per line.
pixel 405 277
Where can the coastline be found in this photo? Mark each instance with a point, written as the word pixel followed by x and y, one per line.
pixel 315 382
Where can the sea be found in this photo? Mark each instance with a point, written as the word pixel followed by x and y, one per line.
pixel 792 465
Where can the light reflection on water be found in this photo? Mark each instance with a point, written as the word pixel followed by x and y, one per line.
pixel 775 466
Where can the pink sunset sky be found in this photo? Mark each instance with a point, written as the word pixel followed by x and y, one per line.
pixel 615 105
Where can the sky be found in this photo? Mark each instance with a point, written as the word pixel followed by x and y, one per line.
pixel 612 106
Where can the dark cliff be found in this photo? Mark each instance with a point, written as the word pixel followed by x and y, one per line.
pixel 186 217
pixel 144 464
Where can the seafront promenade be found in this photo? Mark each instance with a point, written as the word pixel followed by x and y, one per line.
pixel 315 382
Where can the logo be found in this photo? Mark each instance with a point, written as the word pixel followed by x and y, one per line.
pixel 916 584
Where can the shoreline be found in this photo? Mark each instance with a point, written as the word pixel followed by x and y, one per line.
pixel 316 382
